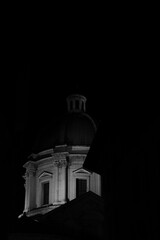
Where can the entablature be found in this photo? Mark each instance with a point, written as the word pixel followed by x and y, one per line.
pixel 78 149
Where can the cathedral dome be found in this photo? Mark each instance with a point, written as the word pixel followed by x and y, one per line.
pixel 76 128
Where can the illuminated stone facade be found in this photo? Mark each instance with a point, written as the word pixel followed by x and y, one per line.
pixel 56 175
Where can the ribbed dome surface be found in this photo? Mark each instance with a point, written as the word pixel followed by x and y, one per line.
pixel 75 129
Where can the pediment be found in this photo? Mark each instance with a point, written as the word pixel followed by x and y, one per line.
pixel 45 174
pixel 81 171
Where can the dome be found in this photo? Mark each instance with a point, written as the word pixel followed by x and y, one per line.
pixel 76 128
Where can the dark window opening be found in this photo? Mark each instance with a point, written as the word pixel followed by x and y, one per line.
pixel 45 192
pixel 71 105
pixel 77 104
pixel 83 106
pixel 81 187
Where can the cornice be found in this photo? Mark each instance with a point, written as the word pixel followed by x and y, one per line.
pixel 29 163
pixel 43 161
pixel 77 157
pixel 60 155
pixel 57 159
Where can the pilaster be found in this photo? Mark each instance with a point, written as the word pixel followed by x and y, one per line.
pixel 26 186
pixel 60 177
pixel 30 187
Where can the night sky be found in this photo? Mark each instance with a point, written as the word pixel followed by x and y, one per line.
pixel 125 94
pixel 119 79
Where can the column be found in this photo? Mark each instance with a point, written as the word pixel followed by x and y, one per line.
pixel 32 189
pixel 26 185
pixel 56 180
pixel 99 185
pixel 62 181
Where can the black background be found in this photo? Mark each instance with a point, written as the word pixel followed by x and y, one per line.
pixel 115 68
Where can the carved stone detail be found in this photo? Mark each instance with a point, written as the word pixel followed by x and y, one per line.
pixel 32 172
pixel 60 163
pixel 26 174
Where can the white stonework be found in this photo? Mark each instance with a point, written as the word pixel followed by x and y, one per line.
pixel 61 170
pixel 54 176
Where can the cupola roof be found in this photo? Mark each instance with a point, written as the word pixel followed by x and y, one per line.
pixel 76 128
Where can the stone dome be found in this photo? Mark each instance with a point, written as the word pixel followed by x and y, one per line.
pixel 76 128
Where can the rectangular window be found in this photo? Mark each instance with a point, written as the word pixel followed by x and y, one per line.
pixel 77 104
pixel 81 186
pixel 45 193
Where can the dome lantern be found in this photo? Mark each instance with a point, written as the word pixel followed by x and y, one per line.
pixel 76 128
pixel 76 103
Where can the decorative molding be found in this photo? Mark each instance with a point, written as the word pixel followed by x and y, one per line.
pixel 60 148
pixel 34 156
pixel 45 174
pixel 77 157
pixel 79 148
pixel 81 171
pixel 29 164
pixel 48 151
pixel 25 176
pixel 60 163
pixel 45 161
pixel 59 155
